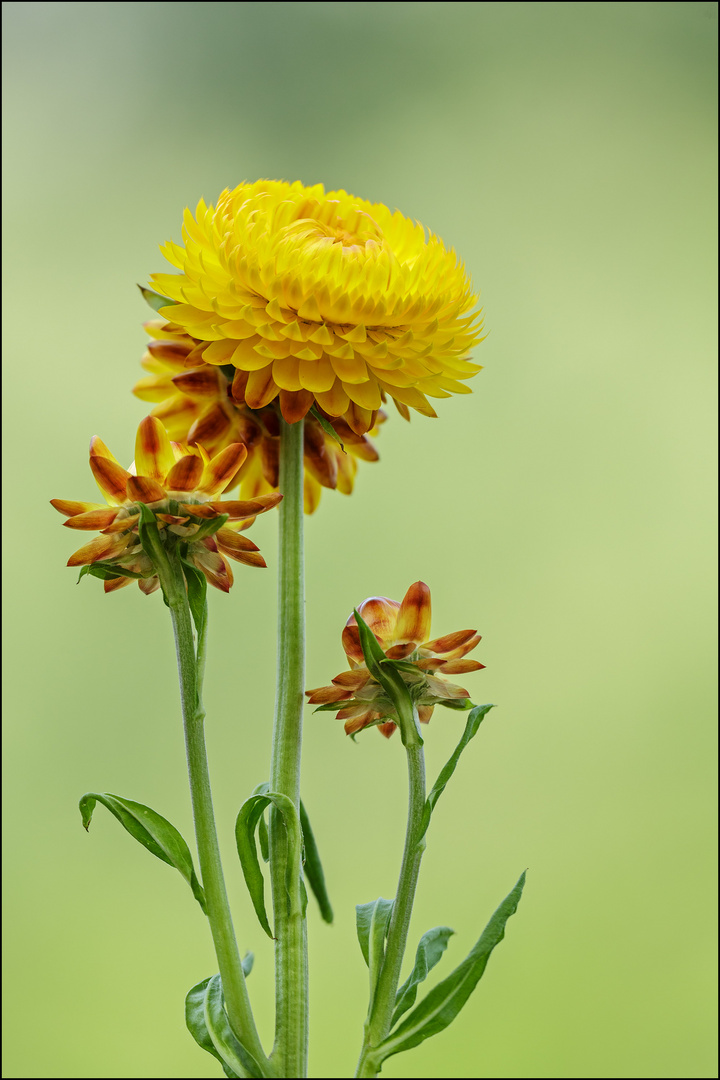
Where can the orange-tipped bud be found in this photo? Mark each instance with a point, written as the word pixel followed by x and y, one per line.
pixel 401 630
pixel 166 469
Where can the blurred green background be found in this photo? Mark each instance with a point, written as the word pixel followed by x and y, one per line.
pixel 565 508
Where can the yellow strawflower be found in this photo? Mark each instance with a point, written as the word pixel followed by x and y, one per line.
pixel 401 630
pixel 322 298
pixel 181 487
pixel 196 404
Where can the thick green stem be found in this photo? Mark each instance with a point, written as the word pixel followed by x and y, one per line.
pixel 291 975
pixel 377 1026
pixel 190 667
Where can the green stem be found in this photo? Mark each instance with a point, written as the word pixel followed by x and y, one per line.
pixel 190 669
pixel 291 976
pixel 377 1027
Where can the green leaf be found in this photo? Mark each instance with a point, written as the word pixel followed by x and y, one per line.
pixel 262 829
pixel 115 569
pixel 247 822
pixel 333 706
pixel 248 962
pixel 474 720
pixel 195 1020
pixel 313 867
pixel 197 595
pixel 151 829
pixel 208 1024
pixel 402 665
pixel 429 951
pixel 155 300
pixel 263 838
pixel 390 680
pixel 231 1050
pixel 106 571
pixel 209 528
pixel 373 922
pixel 327 427
pixel 148 531
pixel 459 704
pixel 442 1004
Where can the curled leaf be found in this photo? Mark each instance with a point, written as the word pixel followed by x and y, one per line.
pixel 245 827
pixel 150 829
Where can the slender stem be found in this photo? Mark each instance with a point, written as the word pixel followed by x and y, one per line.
pixel 380 1016
pixel 291 974
pixel 190 669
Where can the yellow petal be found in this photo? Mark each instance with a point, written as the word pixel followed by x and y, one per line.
pixel 101 547
pixel 260 388
pixel 294 405
pixel 145 490
pixel 99 449
pixel 111 478
pixel 449 642
pixel 93 519
pixel 71 509
pixel 316 375
pixel 334 401
pixel 381 615
pixel 222 468
pixel 286 373
pixel 153 453
pixel 366 395
pixel 413 621
pixel 185 474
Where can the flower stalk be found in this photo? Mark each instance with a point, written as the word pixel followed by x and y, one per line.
pixel 379 1021
pixel 190 669
pixel 291 973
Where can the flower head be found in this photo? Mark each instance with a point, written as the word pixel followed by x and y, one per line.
pixel 196 404
pixel 180 487
pixel 321 298
pixel 402 631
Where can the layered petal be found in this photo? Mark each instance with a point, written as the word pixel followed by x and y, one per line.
pixel 401 630
pixel 317 297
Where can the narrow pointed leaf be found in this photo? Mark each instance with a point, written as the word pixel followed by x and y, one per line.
pixel 263 838
pixel 330 706
pixel 390 679
pixel 106 571
pixel 442 1004
pixel 313 867
pixel 209 527
pixel 155 300
pixel 262 829
pixel 373 921
pixel 327 427
pixel 474 720
pixel 400 665
pixel 429 951
pixel 152 830
pixel 247 823
pixel 197 595
pixel 148 530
